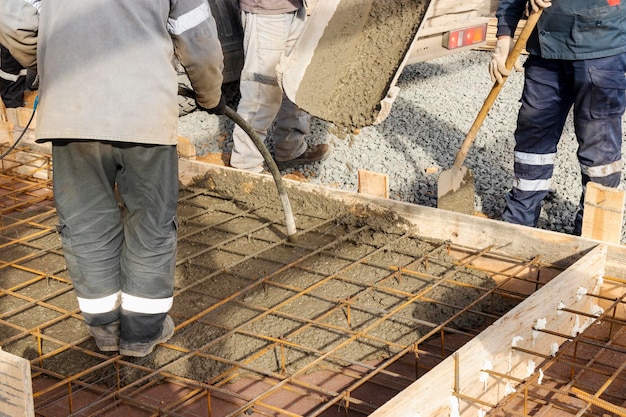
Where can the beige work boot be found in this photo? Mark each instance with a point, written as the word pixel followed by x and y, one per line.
pixel 141 349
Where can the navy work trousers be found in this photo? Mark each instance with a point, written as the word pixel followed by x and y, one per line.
pixel 595 89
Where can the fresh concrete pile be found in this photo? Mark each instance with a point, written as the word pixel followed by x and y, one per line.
pixel 437 104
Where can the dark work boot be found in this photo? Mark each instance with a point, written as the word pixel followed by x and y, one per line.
pixel 141 349
pixel 107 336
pixel 311 155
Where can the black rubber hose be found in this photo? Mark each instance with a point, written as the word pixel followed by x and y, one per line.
pixel 269 160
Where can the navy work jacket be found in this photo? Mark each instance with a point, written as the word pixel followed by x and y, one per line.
pixel 570 29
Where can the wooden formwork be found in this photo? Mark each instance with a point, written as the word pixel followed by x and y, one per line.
pixel 481 373
pixel 510 351
pixel 17 393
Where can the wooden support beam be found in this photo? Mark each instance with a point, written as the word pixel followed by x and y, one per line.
pixel 373 183
pixel 603 214
pixel 16 398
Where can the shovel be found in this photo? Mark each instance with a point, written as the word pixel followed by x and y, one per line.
pixel 455 186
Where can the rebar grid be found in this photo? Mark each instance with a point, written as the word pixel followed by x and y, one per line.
pixel 337 322
pixel 586 377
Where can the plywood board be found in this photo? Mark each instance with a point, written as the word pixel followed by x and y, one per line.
pixel 16 392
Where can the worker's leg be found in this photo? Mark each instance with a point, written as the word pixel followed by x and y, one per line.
pixel 600 103
pixel 265 37
pixel 545 104
pixel 147 180
pixel 12 80
pixel 90 226
pixel 292 123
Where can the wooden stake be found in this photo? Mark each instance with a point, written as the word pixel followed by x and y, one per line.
pixel 603 214
pixel 186 148
pixel 373 183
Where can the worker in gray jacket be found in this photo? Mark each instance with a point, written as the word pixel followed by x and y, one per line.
pixel 270 29
pixel 108 103
pixel 577 61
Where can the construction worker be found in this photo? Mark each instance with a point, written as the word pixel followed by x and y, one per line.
pixel 270 29
pixel 108 104
pixel 577 59
pixel 12 80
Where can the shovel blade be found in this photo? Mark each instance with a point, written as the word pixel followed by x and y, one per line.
pixel 455 190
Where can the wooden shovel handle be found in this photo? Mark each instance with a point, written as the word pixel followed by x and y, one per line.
pixel 519 46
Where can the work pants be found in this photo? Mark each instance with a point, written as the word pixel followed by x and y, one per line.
pixel 595 89
pixel 266 39
pixel 12 80
pixel 121 262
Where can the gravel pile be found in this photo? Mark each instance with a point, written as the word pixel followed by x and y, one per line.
pixel 436 106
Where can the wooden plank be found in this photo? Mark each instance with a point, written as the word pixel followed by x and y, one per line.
pixel 6 133
pixel 16 391
pixel 462 229
pixel 603 214
pixel 372 183
pixel 439 24
pixel 23 116
pixel 492 27
pixel 20 116
pixel 492 348
pixel 443 7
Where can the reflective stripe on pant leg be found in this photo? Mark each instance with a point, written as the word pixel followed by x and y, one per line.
pixel 545 104
pixel 600 104
pixel 533 173
pixel 148 185
pixel 90 225
pixel 265 38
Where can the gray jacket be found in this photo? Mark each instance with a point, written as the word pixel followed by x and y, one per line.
pixel 106 66
pixel 270 6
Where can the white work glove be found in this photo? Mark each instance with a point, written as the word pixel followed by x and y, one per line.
pixel 540 4
pixel 497 68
